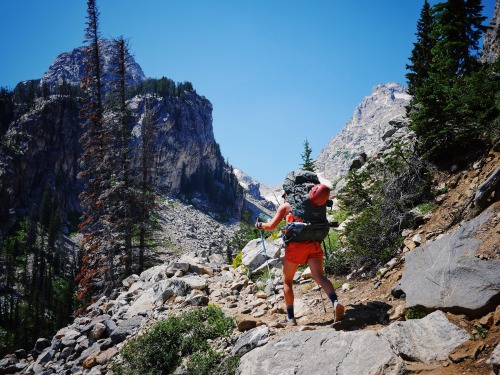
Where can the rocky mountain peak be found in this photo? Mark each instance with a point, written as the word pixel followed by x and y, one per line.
pixel 69 66
pixel 379 117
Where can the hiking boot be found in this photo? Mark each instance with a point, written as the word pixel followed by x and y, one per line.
pixel 338 314
pixel 288 321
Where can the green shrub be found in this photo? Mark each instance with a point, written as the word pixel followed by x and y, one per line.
pixel 379 197
pixel 414 313
pixel 237 261
pixel 479 333
pixel 337 259
pixel 161 349
pixel 425 208
pixel 371 237
pixel 340 215
pixel 261 279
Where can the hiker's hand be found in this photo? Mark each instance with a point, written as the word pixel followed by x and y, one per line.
pixel 258 223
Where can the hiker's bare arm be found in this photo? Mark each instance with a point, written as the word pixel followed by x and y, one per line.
pixel 283 210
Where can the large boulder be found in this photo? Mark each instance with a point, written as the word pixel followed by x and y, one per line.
pixel 253 253
pixel 445 274
pixel 329 351
pixel 325 352
pixel 429 339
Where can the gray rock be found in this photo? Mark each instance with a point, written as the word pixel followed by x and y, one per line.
pixel 425 340
pixel 45 356
pixel 494 360
pixel 56 344
pixel 144 303
pixel 68 66
pixel 329 351
pixel 21 354
pixel 154 272
pixel 324 352
pixel 41 344
pixel 251 339
pixel 110 326
pixel 486 188
pixel 197 299
pixel 105 344
pixel 253 253
pixel 126 328
pixel 445 274
pixel 8 360
pixel 65 353
pixel 93 350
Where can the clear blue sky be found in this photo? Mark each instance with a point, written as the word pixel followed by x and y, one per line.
pixel 276 71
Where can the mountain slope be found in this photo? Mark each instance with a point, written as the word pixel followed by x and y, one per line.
pixel 42 148
pixel 379 116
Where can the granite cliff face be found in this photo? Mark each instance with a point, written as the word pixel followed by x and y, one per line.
pixel 377 118
pixel 42 147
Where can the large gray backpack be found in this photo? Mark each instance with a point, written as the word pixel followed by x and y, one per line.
pixel 311 223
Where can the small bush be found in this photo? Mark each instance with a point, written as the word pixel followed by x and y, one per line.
pixel 161 349
pixel 340 215
pixel 479 333
pixel 371 237
pixel 237 261
pixel 379 198
pixel 336 259
pixel 425 208
pixel 414 313
pixel 261 279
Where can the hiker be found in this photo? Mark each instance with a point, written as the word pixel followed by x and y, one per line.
pixel 301 252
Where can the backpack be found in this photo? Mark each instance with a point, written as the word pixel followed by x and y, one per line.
pixel 306 221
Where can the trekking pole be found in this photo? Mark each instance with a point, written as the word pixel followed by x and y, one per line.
pixel 267 264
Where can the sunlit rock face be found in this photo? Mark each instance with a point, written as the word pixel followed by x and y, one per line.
pixel 378 118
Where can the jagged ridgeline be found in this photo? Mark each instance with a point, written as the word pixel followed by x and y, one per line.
pixel 41 128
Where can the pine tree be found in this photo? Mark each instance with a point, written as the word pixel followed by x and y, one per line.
pixel 437 113
pixel 421 56
pixel 120 198
pixel 457 31
pixel 93 263
pixel 144 182
pixel 308 163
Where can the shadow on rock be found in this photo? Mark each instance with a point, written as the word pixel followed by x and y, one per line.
pixel 360 316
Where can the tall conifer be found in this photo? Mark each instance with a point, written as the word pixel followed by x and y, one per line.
pixel 92 270
pixel 145 181
pixel 120 198
pixel 457 30
pixel 421 56
pixel 435 113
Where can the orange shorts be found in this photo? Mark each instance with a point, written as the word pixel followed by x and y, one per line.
pixel 300 252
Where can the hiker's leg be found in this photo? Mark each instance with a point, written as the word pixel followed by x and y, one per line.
pixel 316 267
pixel 289 270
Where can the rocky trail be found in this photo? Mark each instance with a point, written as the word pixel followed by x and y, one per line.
pixel 446 276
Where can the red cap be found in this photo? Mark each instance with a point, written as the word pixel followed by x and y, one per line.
pixel 319 194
